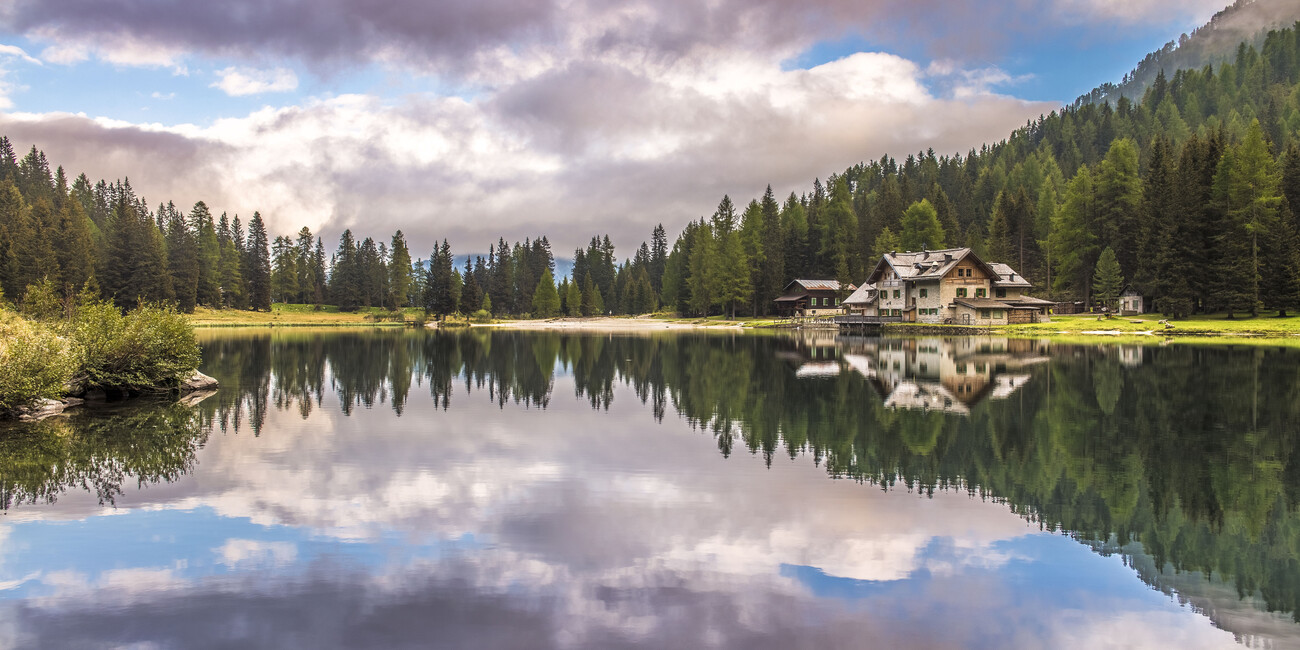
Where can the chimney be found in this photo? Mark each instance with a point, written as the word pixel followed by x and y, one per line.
pixel 947 257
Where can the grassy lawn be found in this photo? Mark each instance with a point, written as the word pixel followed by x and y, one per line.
pixel 294 315
pixel 1200 325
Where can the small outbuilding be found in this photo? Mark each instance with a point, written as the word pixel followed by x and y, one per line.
pixel 811 298
pixel 1131 303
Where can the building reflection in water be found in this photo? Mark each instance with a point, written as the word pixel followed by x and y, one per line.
pixel 949 375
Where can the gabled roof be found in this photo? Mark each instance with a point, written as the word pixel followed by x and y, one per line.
pixel 865 295
pixel 1028 301
pixel 925 265
pixel 982 303
pixel 1007 277
pixel 816 285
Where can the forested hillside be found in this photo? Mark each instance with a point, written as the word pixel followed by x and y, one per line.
pixel 1192 188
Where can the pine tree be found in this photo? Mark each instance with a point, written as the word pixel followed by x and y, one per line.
pixel 182 262
pixel 1108 279
pixel 284 276
pixel 258 265
pixel 727 272
pixel 345 274
pixel 659 256
pixel 232 280
pixel 572 300
pixel 1073 242
pixel 207 251
pixel 921 228
pixel 303 251
pixel 399 271
pixel 546 301
pixel 1119 201
pixel 1247 187
pixel 886 242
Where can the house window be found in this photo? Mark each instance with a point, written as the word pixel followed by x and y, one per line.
pixel 1001 293
pixel 981 293
pixel 925 293
pixel 997 314
pixel 984 313
pixel 898 294
pixel 961 368
pixel 961 293
pixel 835 302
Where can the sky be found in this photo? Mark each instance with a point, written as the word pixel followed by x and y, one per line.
pixel 476 119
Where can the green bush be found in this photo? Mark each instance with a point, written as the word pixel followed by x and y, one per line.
pixel 481 316
pixel 35 363
pixel 150 347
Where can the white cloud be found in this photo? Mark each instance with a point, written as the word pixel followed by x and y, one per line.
pixel 251 552
pixel 163 96
pixel 238 82
pixel 14 50
pixel 120 49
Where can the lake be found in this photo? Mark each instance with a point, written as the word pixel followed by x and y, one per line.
pixel 496 489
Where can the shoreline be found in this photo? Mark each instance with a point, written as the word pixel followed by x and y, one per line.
pixel 610 324
pixel 1258 329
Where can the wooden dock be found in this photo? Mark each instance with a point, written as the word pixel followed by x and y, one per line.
pixel 864 324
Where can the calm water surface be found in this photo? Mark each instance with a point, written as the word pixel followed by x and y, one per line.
pixel 389 489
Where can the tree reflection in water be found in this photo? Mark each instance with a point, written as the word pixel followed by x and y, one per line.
pixel 1188 450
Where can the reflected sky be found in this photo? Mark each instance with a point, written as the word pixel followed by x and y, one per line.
pixel 457 520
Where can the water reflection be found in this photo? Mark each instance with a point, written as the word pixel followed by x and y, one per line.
pixel 593 522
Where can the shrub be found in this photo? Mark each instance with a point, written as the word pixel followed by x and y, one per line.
pixel 35 363
pixel 152 346
pixel 481 316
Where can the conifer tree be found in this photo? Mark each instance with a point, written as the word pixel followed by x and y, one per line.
pixel 1073 241
pixel 1119 200
pixel 546 301
pixel 572 300
pixel 727 271
pixel 399 271
pixel 284 276
pixel 886 242
pixel 345 274
pixel 659 256
pixel 258 265
pixel 1247 188
pixel 182 262
pixel 1108 279
pixel 232 280
pixel 921 228
pixel 207 251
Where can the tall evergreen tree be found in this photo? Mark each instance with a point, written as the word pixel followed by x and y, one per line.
pixel 921 227
pixel 258 265
pixel 1108 279
pixel 399 271
pixel 546 301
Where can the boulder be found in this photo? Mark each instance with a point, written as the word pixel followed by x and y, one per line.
pixel 198 381
pixel 41 409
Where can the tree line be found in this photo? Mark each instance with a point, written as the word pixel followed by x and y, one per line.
pixel 1191 188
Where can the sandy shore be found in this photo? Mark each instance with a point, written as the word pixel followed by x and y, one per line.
pixel 610 325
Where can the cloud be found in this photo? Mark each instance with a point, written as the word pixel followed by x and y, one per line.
pixel 1142 11
pixel 118 48
pixel 539 156
pixel 480 39
pixel 238 82
pixel 14 50
pixel 256 553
